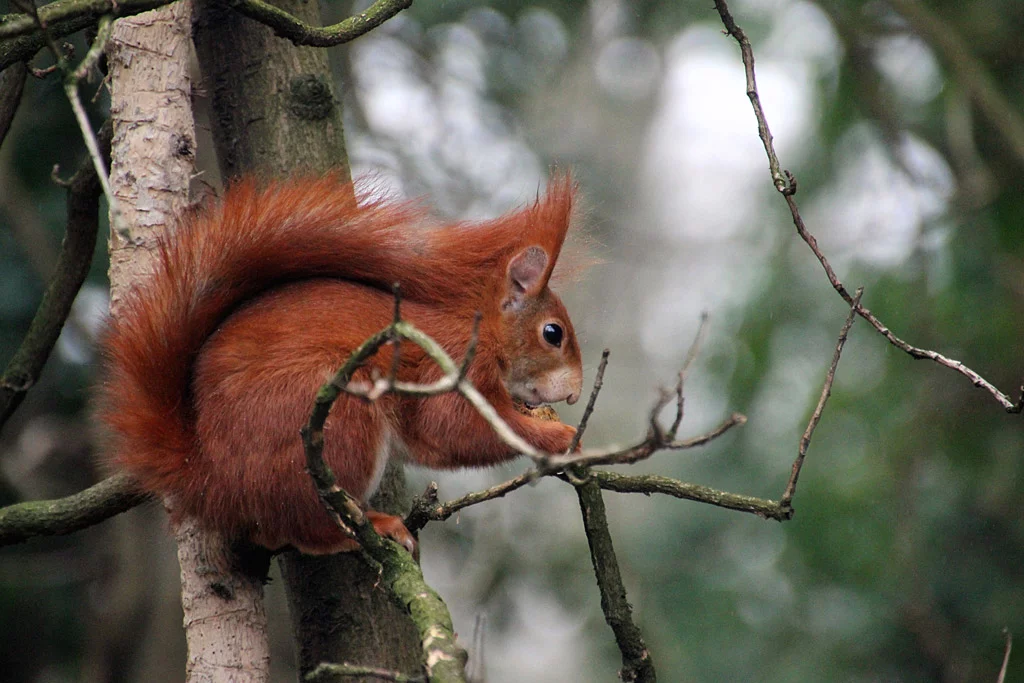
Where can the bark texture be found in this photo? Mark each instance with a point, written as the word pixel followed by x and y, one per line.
pixel 152 160
pixel 274 114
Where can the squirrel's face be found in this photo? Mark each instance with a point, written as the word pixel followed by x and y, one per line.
pixel 543 364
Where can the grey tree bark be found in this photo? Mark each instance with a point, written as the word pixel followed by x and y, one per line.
pixel 273 114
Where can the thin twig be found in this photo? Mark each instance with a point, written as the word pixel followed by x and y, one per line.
pixel 1006 655
pixel 695 346
pixel 734 420
pixel 638 452
pixel 427 510
pixel 785 183
pixel 396 357
pixel 691 356
pixel 826 391
pixel 71 81
pixel 732 29
pixel 591 402
pixel 474 339
pixel 914 352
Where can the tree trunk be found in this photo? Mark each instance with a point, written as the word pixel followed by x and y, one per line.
pixel 274 114
pixel 152 163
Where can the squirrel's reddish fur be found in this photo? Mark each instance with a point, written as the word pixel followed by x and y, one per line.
pixel 211 365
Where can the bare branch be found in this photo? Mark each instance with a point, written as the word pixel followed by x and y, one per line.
pixel 695 346
pixel 12 82
pixel 474 339
pixel 1006 655
pixel 327 671
pixel 648 484
pixel 426 508
pixel 442 658
pixel 731 28
pixel 71 81
pixel 69 273
pixel 734 420
pixel 396 353
pixel 62 516
pixel 591 402
pixel 636 658
pixel 642 450
pixel 826 391
pixel 785 183
pixel 300 33
pixel 56 15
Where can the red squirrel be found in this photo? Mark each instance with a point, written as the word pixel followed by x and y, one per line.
pixel 212 364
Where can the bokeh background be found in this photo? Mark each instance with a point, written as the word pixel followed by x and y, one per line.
pixel 905 560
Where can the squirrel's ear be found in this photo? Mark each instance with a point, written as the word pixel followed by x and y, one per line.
pixel 527 275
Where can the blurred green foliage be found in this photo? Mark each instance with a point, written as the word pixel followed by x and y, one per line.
pixel 905 559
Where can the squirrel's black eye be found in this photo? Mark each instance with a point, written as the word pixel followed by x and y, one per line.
pixel 553 334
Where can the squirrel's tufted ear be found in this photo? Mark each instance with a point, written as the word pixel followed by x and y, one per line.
pixel 526 277
pixel 552 214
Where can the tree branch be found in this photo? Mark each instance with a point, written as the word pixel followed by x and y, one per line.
pixel 637 664
pixel 12 82
pixel 1006 655
pixel 71 269
pixel 427 508
pixel 785 183
pixel 648 484
pixel 71 81
pixel 328 672
pixel 826 391
pixel 21 37
pixel 67 16
pixel 443 659
pixel 62 516
pixel 300 33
